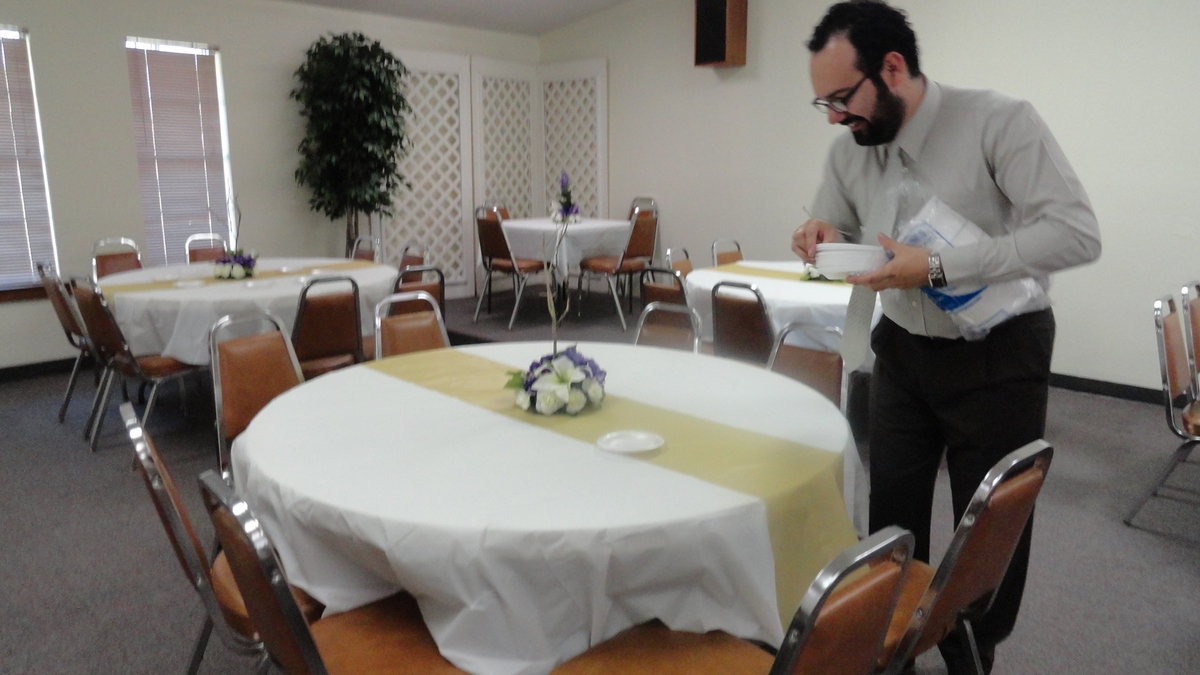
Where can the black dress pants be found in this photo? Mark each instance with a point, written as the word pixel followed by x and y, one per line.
pixel 974 401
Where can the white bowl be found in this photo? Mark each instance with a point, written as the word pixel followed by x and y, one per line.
pixel 837 261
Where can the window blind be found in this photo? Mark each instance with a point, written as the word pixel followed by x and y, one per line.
pixel 26 232
pixel 180 149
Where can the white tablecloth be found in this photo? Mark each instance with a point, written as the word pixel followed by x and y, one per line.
pixel 813 302
pixel 174 321
pixel 522 545
pixel 534 238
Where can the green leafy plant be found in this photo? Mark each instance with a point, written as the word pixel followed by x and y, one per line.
pixel 351 93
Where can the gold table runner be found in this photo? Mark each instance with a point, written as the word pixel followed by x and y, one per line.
pixel 801 486
pixel 114 289
pixel 752 271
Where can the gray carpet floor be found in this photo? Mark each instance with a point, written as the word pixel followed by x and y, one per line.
pixel 89 583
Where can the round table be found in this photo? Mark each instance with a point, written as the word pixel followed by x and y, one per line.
pixel 534 238
pixel 169 310
pixel 523 542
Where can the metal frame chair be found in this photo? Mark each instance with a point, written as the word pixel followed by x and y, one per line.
pixel 205 575
pixel 366 247
pixel 113 350
pixel 249 369
pixel 409 331
pixel 674 292
pixel 496 256
pixel 682 265
pixel 72 325
pixel 205 253
pixel 1176 336
pixel 385 636
pixel 635 256
pixel 104 264
pixel 413 271
pixel 843 617
pixel 677 327
pixel 936 601
pixel 726 257
pixel 327 332
pixel 741 327
pixel 820 369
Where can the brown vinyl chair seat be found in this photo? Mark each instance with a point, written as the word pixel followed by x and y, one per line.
pixel 157 365
pixel 325 364
pixel 654 649
pixel 671 291
pixel 234 607
pixel 611 264
pixel 387 636
pixel 522 265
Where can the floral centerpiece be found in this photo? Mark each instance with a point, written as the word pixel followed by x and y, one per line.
pixel 564 210
pixel 235 265
pixel 563 382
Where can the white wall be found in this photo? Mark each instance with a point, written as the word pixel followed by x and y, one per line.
pixel 738 152
pixel 83 94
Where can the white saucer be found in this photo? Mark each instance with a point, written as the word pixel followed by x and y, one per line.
pixel 629 441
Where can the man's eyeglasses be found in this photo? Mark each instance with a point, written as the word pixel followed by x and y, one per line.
pixel 838 104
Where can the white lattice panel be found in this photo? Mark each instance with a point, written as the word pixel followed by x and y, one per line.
pixel 431 213
pixel 508 144
pixel 571 140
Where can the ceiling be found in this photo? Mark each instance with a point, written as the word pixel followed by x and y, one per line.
pixel 526 17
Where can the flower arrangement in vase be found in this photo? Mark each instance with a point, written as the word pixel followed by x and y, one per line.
pixel 564 210
pixel 565 382
pixel 235 264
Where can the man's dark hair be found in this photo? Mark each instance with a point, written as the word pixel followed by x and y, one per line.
pixel 874 28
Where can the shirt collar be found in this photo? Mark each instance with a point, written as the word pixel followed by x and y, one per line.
pixel 913 134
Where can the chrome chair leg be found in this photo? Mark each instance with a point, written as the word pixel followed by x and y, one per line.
pixel 970 631
pixel 100 382
pixel 519 288
pixel 62 411
pixel 1178 457
pixel 201 646
pixel 612 287
pixel 487 290
pixel 102 409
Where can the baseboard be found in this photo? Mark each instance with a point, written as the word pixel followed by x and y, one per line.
pixel 1122 391
pixel 37 369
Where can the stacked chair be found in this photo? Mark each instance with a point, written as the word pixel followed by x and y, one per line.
pixel 209 575
pixel 386 636
pixel 1178 332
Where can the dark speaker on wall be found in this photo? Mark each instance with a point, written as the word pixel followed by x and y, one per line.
pixel 720 32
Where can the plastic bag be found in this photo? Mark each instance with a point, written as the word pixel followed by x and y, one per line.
pixel 923 219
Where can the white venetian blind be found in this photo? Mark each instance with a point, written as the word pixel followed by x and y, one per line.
pixel 26 232
pixel 180 146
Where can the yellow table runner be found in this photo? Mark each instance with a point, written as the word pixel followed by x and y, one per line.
pixel 113 289
pixel 751 271
pixel 800 486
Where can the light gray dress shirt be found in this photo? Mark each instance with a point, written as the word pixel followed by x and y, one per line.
pixel 993 160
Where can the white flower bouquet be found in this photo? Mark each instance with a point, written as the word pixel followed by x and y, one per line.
pixel 234 265
pixel 563 382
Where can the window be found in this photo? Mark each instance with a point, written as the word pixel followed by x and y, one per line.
pixel 182 154
pixel 26 232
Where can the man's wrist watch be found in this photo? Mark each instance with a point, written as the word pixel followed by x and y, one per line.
pixel 937 276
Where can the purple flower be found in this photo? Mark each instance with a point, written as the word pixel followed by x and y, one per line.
pixel 564 182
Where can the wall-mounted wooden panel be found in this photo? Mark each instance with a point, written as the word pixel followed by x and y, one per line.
pixel 720 32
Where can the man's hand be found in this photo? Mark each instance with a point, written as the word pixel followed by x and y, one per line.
pixel 811 233
pixel 908 268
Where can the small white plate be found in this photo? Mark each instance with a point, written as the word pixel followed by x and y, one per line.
pixel 629 441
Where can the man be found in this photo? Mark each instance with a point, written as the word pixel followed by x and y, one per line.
pixel 994 161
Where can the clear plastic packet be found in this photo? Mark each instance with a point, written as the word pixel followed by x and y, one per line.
pixel 923 219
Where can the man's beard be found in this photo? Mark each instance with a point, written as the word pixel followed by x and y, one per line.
pixel 884 123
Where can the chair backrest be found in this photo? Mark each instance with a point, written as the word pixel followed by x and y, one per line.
pixel 843 617
pixel 405 283
pixel 410 331
pixel 1174 366
pixel 260 578
pixel 722 254
pixel 978 555
pixel 664 324
pixel 204 247
pixel 328 323
pixel 643 235
pixel 663 285
pixel 819 369
pixel 114 254
pixel 172 513
pixel 104 334
pixel 365 247
pixel 412 255
pixel 741 327
pixel 492 243
pixel 250 367
pixel 679 260
pixel 1189 305
pixel 643 204
pixel 64 307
